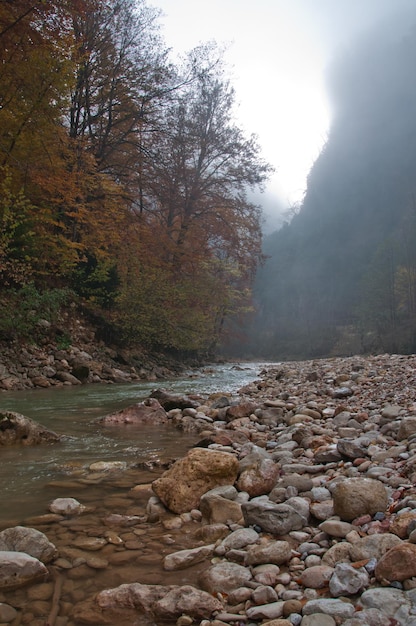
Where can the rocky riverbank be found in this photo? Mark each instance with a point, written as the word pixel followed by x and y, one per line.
pixel 297 506
pixel 86 360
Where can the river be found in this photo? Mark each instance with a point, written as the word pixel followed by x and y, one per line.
pixel 32 476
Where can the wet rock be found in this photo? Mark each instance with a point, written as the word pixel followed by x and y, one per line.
pixel 28 540
pixel 18 429
pixel 66 506
pixel 171 401
pixel 180 488
pixel 18 569
pixel 357 496
pixel 7 613
pixel 147 412
pixel 186 599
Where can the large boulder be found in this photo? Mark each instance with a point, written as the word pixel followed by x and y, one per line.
pixel 18 569
pixel 148 412
pixel 28 540
pixel 19 429
pixel 180 488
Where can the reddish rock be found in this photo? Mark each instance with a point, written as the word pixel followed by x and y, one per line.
pixel 243 409
pixel 180 488
pixel 148 412
pixel 399 563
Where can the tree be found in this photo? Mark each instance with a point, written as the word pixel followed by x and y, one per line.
pixel 195 199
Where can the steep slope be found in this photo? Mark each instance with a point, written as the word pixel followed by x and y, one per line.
pixel 340 277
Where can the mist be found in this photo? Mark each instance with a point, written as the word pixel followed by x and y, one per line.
pixel 340 279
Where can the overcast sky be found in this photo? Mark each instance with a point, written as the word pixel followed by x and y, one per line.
pixel 279 51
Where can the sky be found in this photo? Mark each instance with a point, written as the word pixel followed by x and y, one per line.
pixel 278 52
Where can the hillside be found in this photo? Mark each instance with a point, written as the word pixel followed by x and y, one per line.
pixel 341 277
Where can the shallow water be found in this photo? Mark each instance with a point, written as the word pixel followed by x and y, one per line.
pixel 28 474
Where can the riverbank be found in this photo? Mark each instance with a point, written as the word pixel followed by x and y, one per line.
pixel 297 506
pixel 78 357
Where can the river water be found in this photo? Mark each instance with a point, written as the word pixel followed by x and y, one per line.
pixel 31 477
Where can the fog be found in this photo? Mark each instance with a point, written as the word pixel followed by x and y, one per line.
pixel 340 279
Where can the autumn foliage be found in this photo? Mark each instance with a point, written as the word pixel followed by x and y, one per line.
pixel 123 176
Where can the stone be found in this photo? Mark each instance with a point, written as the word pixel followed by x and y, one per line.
pixel 271 610
pixel 186 599
pixel 180 488
pixel 241 409
pixel 18 569
pixel 350 449
pixel 329 606
pixel 316 577
pixel 407 428
pixel 402 524
pixel 147 412
pixel 66 506
pixel 7 613
pixel 171 401
pixel 259 478
pixel 224 577
pixel 185 558
pixel 275 552
pixel 391 602
pixel 28 540
pixel 18 429
pixel 336 528
pixel 357 496
pixel 318 619
pixel 348 580
pixel 373 546
pixel 398 564
pixel 278 519
pixel 218 510
pixel 240 538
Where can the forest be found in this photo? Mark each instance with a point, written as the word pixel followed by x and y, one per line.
pixel 124 178
pixel 340 275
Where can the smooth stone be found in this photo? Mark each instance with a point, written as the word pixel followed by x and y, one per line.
pixel 329 606
pixel 185 558
pixel 335 528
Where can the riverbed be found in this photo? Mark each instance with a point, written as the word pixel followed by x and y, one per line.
pixel 32 476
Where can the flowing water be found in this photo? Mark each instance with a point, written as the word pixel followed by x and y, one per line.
pixel 28 474
pixel 31 477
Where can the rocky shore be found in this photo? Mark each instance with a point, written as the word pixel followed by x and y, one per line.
pixel 297 506
pixel 31 366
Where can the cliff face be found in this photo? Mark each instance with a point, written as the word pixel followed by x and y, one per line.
pixel 340 277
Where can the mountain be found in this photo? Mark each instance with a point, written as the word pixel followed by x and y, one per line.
pixel 340 278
